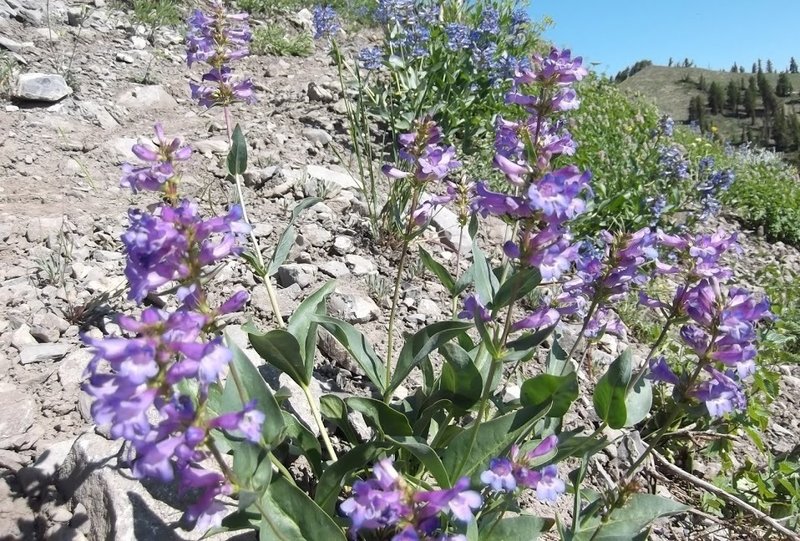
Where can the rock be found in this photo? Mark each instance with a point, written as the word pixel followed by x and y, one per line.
pixel 138 42
pixel 22 337
pixel 334 269
pixel 343 245
pixel 41 87
pixel 14 46
pixel 334 181
pixel 48 327
pixel 17 413
pixel 353 307
pixel 124 58
pixel 359 265
pixel 317 93
pixel 71 370
pixel 117 506
pixel 262 230
pixel 120 149
pixel 301 274
pixel 317 136
pixel 44 228
pixel 450 231
pixel 429 309
pixel 212 146
pixel 42 352
pixel 80 519
pixel 61 515
pixel 76 15
pixel 98 114
pixel 305 19
pixel 151 97
pixel 34 479
pixel 316 235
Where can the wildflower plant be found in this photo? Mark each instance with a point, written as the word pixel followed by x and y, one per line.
pixel 450 458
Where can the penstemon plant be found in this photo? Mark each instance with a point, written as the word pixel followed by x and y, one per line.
pixel 452 458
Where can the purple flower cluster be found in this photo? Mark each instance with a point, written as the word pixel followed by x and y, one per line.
pixel 721 326
pixel 217 38
pixel 135 378
pixel 711 183
pixel 160 163
pixel 426 162
pixel 672 163
pixel 387 502
pixel 517 471
pixel 326 22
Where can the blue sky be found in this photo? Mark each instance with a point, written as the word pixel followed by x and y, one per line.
pixel 713 33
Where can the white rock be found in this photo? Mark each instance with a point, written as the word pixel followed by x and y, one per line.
pixel 359 265
pixel 450 231
pixel 41 87
pixel 151 97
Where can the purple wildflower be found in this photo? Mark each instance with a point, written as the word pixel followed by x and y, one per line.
pixel 161 163
pixel 326 22
pixel 507 474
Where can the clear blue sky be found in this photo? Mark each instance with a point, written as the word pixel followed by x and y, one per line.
pixel 713 33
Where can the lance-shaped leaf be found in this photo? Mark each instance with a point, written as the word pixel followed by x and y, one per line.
pixel 562 391
pixel 301 324
pixel 289 515
pixel 515 287
pixel 381 416
pixel 288 236
pixel 280 349
pixel 237 155
pixel 610 393
pixel 358 347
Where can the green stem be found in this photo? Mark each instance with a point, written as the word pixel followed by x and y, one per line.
pixel 273 298
pixel 312 403
pixel 586 321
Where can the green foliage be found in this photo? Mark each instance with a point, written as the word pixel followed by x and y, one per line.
pixel 155 13
pixel 617 145
pixel 273 39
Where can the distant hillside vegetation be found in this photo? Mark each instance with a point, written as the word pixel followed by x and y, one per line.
pixel 760 107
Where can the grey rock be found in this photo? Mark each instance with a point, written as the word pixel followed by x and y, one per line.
pixel 76 15
pixel 317 136
pixel 332 178
pixel 212 146
pixel 262 230
pixel 343 244
pixel 48 327
pixel 360 265
pixel 450 231
pixel 17 412
pixel 71 370
pixel 298 403
pixel 80 519
pixel 301 274
pixel 61 515
pixel 44 228
pixel 138 42
pixel 353 307
pixel 34 353
pixel 334 269
pixel 317 93
pixel 124 58
pixel 152 97
pixel 315 234
pixel 14 46
pixel 22 337
pixel 34 479
pixel 120 149
pixel 41 87
pixel 117 506
pixel 429 309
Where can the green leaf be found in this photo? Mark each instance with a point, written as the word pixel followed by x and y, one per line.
pixel 381 416
pixel 557 362
pixel 334 409
pixel 237 155
pixel 515 287
pixel 562 391
pixel 485 280
pixel 288 236
pixel 460 378
pixel 438 270
pixel 281 350
pixel 464 457
pixel 426 456
pixel 254 388
pixel 305 441
pixel 423 343
pixel 629 520
pixel 609 395
pixel 524 348
pixel 358 347
pixel 301 324
pixel 520 528
pixel 638 402
pixel 290 515
pixel 356 459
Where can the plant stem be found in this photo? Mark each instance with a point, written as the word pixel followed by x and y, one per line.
pixel 273 298
pixel 312 403
pixel 396 296
pixel 586 320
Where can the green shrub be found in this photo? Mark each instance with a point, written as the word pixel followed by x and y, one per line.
pixel 275 40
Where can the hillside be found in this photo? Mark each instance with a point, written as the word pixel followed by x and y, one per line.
pixel 671 88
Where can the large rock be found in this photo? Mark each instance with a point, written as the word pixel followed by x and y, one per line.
pixel 17 413
pixel 330 181
pixel 450 231
pixel 118 507
pixel 152 97
pixel 41 87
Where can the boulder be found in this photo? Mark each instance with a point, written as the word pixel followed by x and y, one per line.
pixel 41 87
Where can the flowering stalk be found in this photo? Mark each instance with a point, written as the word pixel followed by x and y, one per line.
pixel 136 380
pixel 429 162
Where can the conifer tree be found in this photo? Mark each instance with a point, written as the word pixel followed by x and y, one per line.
pixel 702 85
pixel 750 97
pixel 792 65
pixel 780 130
pixel 716 98
pixel 783 88
pixel 733 97
pixel 753 70
pixel 769 66
pixel 734 68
